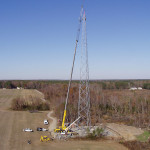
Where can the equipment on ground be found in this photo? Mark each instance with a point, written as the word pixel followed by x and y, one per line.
pixel 45 139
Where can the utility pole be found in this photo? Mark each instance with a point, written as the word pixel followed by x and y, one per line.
pixel 84 90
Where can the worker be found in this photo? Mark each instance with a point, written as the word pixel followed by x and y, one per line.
pixel 29 141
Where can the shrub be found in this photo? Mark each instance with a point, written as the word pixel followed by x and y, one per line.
pixel 144 137
pixel 97 133
pixel 35 104
pixel 146 86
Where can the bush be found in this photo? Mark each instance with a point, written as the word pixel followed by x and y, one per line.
pixel 144 137
pixel 97 133
pixel 35 104
pixel 146 86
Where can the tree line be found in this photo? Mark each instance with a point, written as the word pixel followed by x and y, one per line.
pixel 110 100
pixel 104 84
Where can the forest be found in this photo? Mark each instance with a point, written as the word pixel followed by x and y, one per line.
pixel 111 100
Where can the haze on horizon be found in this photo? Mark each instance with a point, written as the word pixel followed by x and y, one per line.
pixel 37 39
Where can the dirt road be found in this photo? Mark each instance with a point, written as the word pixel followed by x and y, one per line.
pixel 53 123
pixel 41 95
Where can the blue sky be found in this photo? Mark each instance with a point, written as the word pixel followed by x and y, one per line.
pixel 37 38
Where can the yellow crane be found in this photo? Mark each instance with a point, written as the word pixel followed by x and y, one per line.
pixel 63 127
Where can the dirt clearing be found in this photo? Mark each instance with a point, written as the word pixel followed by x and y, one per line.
pixel 129 133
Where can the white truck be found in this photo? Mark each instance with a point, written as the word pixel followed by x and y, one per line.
pixel 46 122
pixel 27 130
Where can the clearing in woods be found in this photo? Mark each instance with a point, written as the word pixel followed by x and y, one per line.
pixel 12 124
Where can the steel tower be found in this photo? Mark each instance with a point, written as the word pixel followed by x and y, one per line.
pixel 84 90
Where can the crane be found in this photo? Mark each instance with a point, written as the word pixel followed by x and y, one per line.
pixel 63 127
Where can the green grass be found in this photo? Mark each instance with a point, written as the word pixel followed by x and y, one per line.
pixel 143 137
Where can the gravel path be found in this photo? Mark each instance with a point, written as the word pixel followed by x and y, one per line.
pixel 53 123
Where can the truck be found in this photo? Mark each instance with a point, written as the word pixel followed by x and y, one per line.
pixel 46 122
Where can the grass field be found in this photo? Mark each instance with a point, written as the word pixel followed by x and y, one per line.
pixel 12 124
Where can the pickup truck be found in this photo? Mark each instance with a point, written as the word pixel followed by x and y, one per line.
pixel 46 122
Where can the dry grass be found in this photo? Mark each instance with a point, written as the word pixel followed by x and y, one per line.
pixel 136 145
pixel 12 125
pixel 29 104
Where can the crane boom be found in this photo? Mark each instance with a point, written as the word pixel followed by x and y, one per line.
pixel 62 128
pixel 72 124
pixel 77 39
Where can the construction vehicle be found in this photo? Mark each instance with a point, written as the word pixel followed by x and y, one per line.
pixel 63 127
pixel 45 139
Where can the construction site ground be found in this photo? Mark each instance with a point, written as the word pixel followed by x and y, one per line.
pixel 128 133
pixel 12 124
